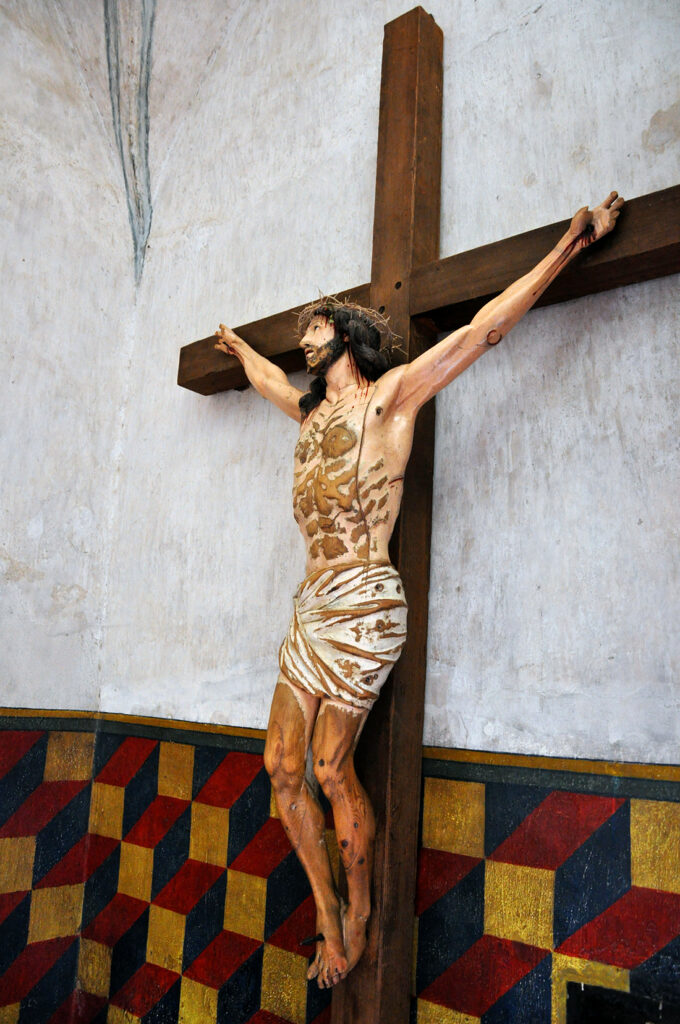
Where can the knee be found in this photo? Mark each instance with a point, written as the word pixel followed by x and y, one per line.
pixel 331 777
pixel 285 770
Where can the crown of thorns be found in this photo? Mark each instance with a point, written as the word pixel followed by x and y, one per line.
pixel 329 305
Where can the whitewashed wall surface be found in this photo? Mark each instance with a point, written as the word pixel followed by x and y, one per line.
pixel 166 166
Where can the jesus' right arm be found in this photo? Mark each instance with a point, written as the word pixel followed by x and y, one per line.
pixel 267 378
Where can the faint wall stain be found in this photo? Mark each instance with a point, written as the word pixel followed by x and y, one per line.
pixel 66 597
pixel 128 26
pixel 13 570
pixel 664 129
pixel 580 155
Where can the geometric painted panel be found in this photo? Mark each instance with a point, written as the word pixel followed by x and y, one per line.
pixel 145 877
pixel 525 889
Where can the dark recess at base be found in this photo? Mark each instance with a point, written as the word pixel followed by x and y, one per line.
pixel 589 1004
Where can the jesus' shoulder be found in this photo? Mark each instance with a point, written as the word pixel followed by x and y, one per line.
pixel 349 470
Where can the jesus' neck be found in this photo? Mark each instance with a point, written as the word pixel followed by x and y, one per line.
pixel 342 375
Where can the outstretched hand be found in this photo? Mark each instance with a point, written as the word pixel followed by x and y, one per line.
pixel 590 225
pixel 226 340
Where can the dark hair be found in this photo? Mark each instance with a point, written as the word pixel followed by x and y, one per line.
pixel 360 327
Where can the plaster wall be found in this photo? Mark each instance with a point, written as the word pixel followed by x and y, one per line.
pixel 147 543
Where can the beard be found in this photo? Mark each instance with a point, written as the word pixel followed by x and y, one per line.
pixel 321 359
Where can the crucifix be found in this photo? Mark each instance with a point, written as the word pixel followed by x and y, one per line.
pixel 424 295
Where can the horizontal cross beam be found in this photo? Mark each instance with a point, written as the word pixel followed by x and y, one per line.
pixel 645 245
pixel 447 292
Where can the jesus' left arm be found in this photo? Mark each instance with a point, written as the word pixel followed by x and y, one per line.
pixel 433 370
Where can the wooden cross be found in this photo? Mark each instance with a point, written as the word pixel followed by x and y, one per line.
pixel 424 295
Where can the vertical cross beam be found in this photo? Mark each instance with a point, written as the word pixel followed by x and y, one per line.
pixel 405 235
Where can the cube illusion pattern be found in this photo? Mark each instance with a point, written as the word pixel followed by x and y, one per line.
pixel 523 889
pixel 145 879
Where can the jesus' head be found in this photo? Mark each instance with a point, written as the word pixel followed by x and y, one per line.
pixel 329 328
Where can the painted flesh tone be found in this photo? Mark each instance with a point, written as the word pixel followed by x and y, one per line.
pixel 349 468
pixel 347 487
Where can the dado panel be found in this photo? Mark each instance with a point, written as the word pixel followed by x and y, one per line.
pixel 145 876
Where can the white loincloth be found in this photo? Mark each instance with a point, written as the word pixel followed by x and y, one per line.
pixel 347 631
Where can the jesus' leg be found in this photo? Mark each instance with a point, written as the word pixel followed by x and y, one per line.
pixel 335 734
pixel 291 722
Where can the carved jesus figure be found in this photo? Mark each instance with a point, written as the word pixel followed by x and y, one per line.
pixel 349 620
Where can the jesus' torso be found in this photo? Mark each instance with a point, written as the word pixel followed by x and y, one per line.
pixel 348 480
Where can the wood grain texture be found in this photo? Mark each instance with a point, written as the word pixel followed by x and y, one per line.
pixel 645 245
pixel 405 232
pixel 448 292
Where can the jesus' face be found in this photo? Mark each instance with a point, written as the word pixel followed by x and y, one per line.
pixel 321 346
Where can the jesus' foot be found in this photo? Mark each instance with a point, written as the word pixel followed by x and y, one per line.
pixel 353 933
pixel 329 966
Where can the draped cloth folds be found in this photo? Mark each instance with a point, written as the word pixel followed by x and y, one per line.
pixel 347 631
